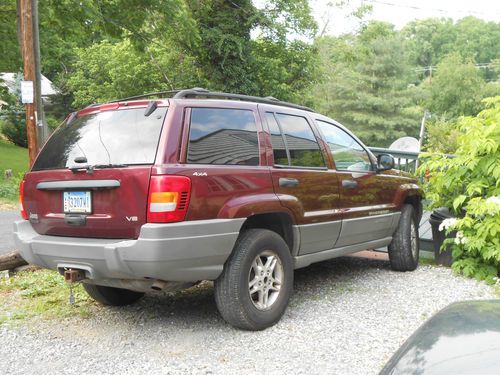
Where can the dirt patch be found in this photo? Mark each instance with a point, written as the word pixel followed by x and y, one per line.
pixel 7 206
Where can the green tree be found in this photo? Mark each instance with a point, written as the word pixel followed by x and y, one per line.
pixel 220 54
pixel 368 84
pixel 429 40
pixel 270 64
pixel 456 89
pixel 285 71
pixel 9 46
pixel 225 48
pixel 108 71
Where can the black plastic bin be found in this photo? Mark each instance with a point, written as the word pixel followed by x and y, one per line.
pixel 437 217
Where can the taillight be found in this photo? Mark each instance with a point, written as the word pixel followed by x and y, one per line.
pixel 168 198
pixel 22 208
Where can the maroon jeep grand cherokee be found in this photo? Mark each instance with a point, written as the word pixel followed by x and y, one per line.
pixel 138 195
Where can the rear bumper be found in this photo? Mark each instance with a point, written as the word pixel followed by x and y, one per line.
pixel 186 251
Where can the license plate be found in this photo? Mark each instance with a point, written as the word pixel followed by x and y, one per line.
pixel 77 202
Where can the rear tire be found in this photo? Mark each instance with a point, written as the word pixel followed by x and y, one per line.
pixel 404 248
pixel 112 296
pixel 255 286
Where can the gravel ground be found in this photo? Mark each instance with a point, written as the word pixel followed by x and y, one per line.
pixel 347 316
pixel 7 218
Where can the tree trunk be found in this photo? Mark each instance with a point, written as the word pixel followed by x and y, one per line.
pixel 11 260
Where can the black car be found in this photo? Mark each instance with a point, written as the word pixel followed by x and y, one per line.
pixel 463 338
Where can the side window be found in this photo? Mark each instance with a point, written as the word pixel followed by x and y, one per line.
pixel 223 136
pixel 302 146
pixel 277 141
pixel 347 152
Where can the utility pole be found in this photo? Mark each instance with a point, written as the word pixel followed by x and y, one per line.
pixel 42 129
pixel 422 133
pixel 26 22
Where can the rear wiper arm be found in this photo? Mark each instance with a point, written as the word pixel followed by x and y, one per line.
pixel 102 166
pixel 89 168
pixel 86 167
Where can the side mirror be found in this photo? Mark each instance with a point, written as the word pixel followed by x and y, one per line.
pixel 384 162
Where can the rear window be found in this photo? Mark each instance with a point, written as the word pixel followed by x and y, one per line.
pixel 113 137
pixel 223 136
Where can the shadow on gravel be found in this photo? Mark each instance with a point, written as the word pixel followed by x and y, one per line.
pixel 196 306
pixel 317 275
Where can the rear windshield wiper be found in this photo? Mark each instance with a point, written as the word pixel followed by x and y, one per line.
pixel 90 168
pixel 102 166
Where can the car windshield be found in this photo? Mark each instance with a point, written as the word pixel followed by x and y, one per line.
pixel 121 137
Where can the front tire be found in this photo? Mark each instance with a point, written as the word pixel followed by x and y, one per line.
pixel 255 286
pixel 404 248
pixel 112 296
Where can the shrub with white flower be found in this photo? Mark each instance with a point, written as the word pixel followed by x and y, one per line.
pixel 469 185
pixel 448 224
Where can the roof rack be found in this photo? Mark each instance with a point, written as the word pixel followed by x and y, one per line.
pixel 159 93
pixel 199 92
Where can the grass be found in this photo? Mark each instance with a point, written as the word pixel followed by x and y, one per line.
pixel 427 261
pixel 9 192
pixel 42 294
pixel 15 158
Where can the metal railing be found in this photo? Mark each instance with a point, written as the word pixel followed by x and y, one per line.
pixel 405 160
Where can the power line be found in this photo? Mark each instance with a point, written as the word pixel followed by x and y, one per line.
pixel 430 9
pixel 478 66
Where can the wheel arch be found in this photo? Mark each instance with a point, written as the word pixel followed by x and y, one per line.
pixel 278 222
pixel 416 201
pixel 411 194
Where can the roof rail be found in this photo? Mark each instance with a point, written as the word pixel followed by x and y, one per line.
pixel 159 93
pixel 199 92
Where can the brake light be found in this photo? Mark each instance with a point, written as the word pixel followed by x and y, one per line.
pixel 168 198
pixel 22 208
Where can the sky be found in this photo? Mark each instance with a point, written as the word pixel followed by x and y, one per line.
pixel 400 12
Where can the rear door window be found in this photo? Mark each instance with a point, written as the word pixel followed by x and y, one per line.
pixel 223 136
pixel 277 141
pixel 302 146
pixel 112 137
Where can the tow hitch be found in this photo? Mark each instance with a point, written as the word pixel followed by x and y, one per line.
pixel 73 276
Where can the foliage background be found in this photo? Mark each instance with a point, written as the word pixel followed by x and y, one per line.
pixel 376 80
pixel 469 184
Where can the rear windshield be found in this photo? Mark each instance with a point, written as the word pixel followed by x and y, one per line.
pixel 113 137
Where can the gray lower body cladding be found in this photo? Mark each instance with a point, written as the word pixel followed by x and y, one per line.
pixel 186 251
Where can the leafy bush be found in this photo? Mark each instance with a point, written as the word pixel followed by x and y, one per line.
pixel 469 184
pixel 14 129
pixel 13 122
pixel 442 136
pixel 9 188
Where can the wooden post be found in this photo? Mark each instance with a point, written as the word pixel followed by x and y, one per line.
pixel 42 128
pixel 422 135
pixel 26 22
pixel 11 260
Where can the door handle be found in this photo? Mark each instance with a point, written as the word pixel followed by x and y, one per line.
pixel 288 182
pixel 349 184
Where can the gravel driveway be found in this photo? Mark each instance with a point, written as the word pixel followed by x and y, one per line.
pixel 7 218
pixel 347 316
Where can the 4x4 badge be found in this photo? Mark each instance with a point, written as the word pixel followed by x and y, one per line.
pixel 200 174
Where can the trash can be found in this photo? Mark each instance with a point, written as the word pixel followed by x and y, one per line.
pixel 437 217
